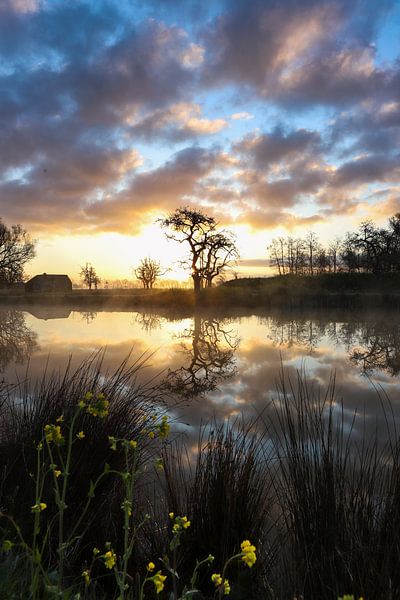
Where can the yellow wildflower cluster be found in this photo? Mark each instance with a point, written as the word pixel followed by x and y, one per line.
pixel 110 559
pixel 163 428
pixel 97 406
pixel 158 580
pixel 36 508
pixel 217 580
pixel 180 523
pixel 53 434
pixel 248 553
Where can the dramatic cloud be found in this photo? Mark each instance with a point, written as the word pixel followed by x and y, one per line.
pixel 270 113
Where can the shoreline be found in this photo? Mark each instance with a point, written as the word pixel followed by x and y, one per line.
pixel 335 291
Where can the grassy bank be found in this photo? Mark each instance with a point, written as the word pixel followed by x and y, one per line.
pixel 344 290
pixel 318 498
pixel 326 291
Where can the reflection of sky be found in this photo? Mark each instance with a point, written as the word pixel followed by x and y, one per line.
pixel 258 360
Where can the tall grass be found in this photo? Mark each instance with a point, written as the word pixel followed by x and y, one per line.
pixel 317 493
pixel 226 489
pixel 27 407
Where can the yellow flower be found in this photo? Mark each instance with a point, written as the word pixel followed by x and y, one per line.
pixel 81 404
pixel 86 576
pixel 158 580
pixel 133 444
pixel 164 428
pixel 171 515
pixel 60 419
pixel 88 396
pixel 110 558
pixel 180 523
pixel 53 434
pixel 80 435
pixel 150 567
pixel 158 463
pixel 113 442
pixel 151 435
pixel 248 553
pixel 216 579
pixel 96 551
pixel 227 587
pixel 39 507
pixel 57 473
pixel 97 407
pixel 39 446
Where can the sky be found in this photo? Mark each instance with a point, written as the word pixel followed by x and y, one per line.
pixel 276 117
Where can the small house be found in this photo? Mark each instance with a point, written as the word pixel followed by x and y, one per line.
pixel 49 284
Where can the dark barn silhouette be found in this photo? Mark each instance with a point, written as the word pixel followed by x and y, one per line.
pixel 49 283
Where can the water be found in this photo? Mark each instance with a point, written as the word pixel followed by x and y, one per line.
pixel 218 367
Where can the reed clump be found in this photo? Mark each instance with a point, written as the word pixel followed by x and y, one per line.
pixel 98 501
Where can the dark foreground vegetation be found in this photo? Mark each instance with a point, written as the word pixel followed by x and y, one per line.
pixel 317 495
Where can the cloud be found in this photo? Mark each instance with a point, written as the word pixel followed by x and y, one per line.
pixel 298 54
pixel 20 6
pixel 242 116
pixel 277 145
pixel 178 122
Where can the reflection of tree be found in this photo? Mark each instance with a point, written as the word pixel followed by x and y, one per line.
pixel 210 358
pixel 296 332
pixel 148 322
pixel 17 341
pixel 379 348
pixel 88 316
pixel 373 345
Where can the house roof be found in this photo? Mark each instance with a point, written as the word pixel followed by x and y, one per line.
pixel 49 276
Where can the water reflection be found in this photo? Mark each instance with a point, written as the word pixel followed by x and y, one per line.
pixel 148 321
pixel 371 346
pixel 378 349
pixel 209 349
pixel 17 340
pixel 89 316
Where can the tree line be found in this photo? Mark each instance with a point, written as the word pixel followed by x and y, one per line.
pixel 210 251
pixel 370 249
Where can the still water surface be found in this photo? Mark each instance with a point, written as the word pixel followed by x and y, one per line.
pixel 218 367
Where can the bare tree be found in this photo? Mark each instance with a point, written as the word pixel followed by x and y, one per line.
pixel 312 246
pixel 193 228
pixel 219 254
pixel 89 276
pixel 148 271
pixel 16 249
pixel 334 250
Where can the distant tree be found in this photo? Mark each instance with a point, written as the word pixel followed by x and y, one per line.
pixel 148 271
pixel 312 248
pixel 334 250
pixel 16 249
pixel 89 276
